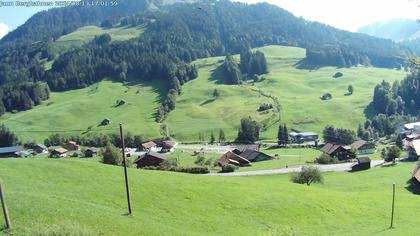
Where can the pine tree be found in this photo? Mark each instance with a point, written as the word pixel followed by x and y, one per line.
pixel 280 135
pixel 285 135
pixel 222 137
pixel 399 142
pixel 212 139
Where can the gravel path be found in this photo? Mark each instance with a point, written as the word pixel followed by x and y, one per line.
pixel 323 168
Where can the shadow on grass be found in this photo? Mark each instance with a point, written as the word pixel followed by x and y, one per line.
pixel 208 102
pixel 370 111
pixel 217 75
pixel 304 64
pixel 348 94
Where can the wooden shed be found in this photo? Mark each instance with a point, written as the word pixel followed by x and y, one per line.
pixel 91 152
pixel 362 164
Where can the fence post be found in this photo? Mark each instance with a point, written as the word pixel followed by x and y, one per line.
pixel 4 206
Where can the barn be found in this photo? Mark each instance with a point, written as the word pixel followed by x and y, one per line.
pixel 341 152
pixel 362 164
pixel 234 159
pixel 150 159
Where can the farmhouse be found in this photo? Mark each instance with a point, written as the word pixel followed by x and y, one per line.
pixel 150 147
pixel 149 159
pixel 59 152
pixel 167 146
pixel 234 159
pixel 10 151
pixel 91 152
pixel 40 149
pixel 341 152
pixel 414 150
pixel 72 146
pixel 362 164
pixel 303 137
pixel 243 147
pixel 252 155
pixel 364 147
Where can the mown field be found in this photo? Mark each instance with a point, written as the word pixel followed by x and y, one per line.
pixel 84 108
pixel 298 90
pixel 83 196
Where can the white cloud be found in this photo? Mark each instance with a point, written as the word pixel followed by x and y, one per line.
pixel 349 14
pixel 4 29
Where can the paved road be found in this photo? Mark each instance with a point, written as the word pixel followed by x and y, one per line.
pixel 209 148
pixel 323 168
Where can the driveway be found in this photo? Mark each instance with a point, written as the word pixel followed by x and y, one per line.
pixel 322 168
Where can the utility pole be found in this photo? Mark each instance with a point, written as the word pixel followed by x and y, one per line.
pixel 393 204
pixel 4 206
pixel 125 170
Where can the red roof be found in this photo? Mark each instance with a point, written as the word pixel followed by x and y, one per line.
pixel 149 144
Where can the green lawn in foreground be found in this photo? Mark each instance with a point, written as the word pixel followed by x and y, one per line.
pixel 298 90
pixel 79 109
pixel 73 194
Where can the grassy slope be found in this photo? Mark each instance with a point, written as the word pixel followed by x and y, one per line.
pixel 79 109
pixel 298 90
pixel 44 193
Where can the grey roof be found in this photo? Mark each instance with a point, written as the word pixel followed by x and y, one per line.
pixel 10 149
pixel 251 155
pixel 153 154
pixel 363 160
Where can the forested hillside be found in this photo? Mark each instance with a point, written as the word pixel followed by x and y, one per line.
pixel 175 35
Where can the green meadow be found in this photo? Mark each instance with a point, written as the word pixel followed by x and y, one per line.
pixel 85 197
pixel 298 90
pixel 84 108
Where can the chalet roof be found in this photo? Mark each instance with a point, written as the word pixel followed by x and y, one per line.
pixel 251 155
pixel 149 144
pixel 416 146
pixel 72 142
pixel 10 149
pixel 151 154
pixel 60 150
pixel 41 146
pixel 363 160
pixel 358 144
pixel 330 148
pixel 293 134
pixel 168 144
pixel 232 156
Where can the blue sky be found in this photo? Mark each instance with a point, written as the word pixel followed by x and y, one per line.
pixel 344 14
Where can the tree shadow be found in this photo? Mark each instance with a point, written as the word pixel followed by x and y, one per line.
pixel 217 75
pixel 304 64
pixel 207 102
pixel 348 94
pixel 370 111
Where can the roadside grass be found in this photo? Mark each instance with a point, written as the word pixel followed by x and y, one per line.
pixel 80 195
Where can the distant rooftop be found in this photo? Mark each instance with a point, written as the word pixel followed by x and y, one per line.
pixel 10 149
pixel 410 126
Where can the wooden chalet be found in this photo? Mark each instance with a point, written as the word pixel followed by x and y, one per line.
pixel 149 159
pixel 362 164
pixel 364 147
pixel 252 155
pixel 150 147
pixel 341 152
pixel 40 148
pixel 59 152
pixel 72 146
pixel 91 152
pixel 234 159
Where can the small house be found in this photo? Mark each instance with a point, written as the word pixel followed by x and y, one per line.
pixel 362 164
pixel 303 137
pixel 150 147
pixel 72 146
pixel 254 156
pixel 341 152
pixel 40 149
pixel 414 150
pixel 234 159
pixel 167 146
pixel 364 147
pixel 91 152
pixel 59 152
pixel 150 159
pixel 10 151
pixel 23 154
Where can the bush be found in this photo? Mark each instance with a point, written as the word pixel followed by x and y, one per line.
pixel 326 159
pixel 228 168
pixel 200 161
pixel 308 175
pixel 112 155
pixel 193 170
